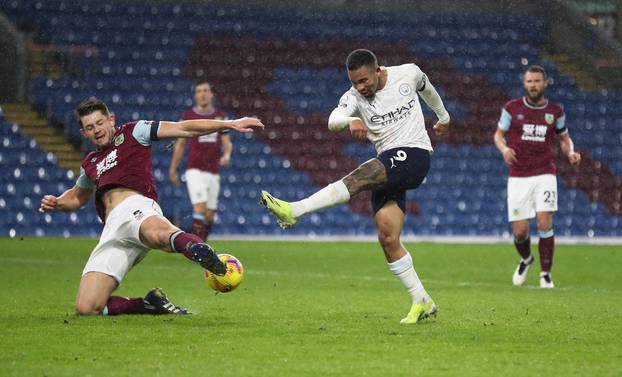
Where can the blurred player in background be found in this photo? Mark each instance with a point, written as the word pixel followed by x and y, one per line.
pixel 530 124
pixel 383 106
pixel 204 161
pixel 119 172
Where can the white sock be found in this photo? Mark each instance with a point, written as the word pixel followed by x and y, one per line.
pixel 403 268
pixel 331 195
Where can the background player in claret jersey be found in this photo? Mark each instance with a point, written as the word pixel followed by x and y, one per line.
pixel 204 161
pixel 530 124
pixel 383 106
pixel 119 172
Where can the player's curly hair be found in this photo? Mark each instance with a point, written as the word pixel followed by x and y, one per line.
pixel 361 58
pixel 89 106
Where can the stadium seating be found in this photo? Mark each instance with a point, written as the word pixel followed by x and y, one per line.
pixel 142 58
pixel 27 174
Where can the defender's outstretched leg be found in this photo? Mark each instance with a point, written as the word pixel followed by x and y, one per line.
pixel 158 233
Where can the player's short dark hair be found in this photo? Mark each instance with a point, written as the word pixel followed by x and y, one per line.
pixel 200 82
pixel 361 58
pixel 537 69
pixel 89 106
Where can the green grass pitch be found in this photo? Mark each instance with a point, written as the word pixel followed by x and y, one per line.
pixel 317 309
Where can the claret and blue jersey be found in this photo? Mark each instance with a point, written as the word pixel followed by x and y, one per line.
pixel 530 131
pixel 126 162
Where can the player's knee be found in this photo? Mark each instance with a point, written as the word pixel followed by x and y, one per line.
pixel 544 225
pixel 388 240
pixel 162 239
pixel 150 237
pixel 521 235
pixel 158 238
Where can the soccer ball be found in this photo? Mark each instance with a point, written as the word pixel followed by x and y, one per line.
pixel 231 280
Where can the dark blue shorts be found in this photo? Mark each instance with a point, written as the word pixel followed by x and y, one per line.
pixel 406 170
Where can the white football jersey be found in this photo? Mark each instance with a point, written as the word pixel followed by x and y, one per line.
pixel 393 117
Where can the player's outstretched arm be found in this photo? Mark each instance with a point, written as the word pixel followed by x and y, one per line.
pixel 72 199
pixel 198 127
pixel 568 149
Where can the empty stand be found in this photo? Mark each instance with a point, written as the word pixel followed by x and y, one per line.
pixel 141 59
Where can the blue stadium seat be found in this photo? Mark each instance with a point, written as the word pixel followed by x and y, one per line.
pixel 139 67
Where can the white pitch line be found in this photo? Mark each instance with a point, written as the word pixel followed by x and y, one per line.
pixel 457 239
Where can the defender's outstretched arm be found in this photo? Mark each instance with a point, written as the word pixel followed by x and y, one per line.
pixel 198 127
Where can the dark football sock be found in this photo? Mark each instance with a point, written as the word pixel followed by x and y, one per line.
pixel 181 242
pixel 523 247
pixel 200 229
pixel 208 228
pixel 546 246
pixel 124 305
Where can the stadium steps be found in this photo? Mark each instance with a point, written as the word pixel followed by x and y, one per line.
pixel 568 67
pixel 48 139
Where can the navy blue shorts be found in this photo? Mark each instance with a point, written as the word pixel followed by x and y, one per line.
pixel 406 170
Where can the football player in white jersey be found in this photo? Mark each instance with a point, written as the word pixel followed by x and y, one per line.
pixel 383 106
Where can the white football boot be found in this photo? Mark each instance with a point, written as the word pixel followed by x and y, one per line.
pixel 520 274
pixel 545 280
